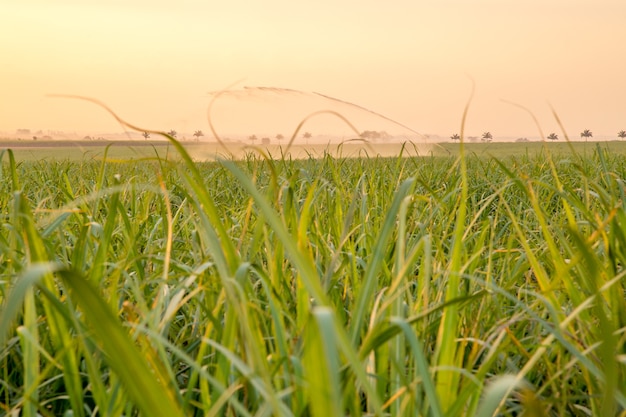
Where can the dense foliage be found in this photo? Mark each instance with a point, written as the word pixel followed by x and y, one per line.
pixel 322 287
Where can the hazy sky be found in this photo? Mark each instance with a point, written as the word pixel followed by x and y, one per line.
pixel 154 62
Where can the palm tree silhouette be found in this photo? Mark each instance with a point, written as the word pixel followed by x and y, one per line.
pixel 307 136
pixel 172 133
pixel 197 134
pixel 487 137
pixel 586 134
pixel 621 134
pixel 145 135
pixel 252 138
pixel 455 137
pixel 553 136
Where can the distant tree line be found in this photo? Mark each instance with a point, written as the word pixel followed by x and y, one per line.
pixel 488 137
pixel 374 135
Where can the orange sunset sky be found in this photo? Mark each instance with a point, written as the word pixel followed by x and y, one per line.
pixel 155 63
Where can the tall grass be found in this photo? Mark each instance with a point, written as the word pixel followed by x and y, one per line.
pixel 330 286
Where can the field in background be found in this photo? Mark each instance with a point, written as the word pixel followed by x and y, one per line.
pixel 201 151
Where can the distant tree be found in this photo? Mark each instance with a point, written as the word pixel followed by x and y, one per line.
pixel 553 136
pixel 586 134
pixel 621 134
pixel 307 136
pixel 279 137
pixel 487 137
pixel 172 133
pixel 197 134
pixel 252 139
pixel 145 135
pixel 455 137
pixel 370 134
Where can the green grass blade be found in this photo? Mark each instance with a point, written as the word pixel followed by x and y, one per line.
pixel 248 374
pixel 496 393
pixel 30 355
pixel 369 286
pixel 322 365
pixel 151 396
pixel 59 336
pixel 15 298
pixel 421 367
pixel 306 268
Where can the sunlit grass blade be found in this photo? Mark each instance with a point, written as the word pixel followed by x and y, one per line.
pixel 154 397
pixel 496 393
pixel 322 365
pixel 248 374
pixel 30 355
pixel 59 337
pixel 15 299
pixel 22 294
pixel 304 264
pixel 369 285
pixel 422 370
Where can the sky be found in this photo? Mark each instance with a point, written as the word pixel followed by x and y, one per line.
pixel 156 63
